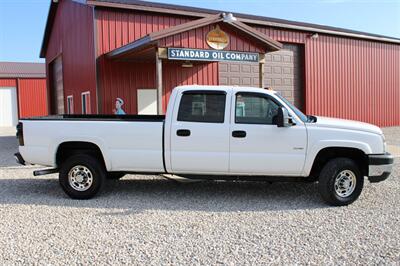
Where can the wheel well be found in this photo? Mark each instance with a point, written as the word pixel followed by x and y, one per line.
pixel 327 154
pixel 67 149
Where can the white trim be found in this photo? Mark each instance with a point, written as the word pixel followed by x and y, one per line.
pixel 83 95
pixel 68 105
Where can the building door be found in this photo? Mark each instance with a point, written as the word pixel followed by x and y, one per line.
pixel 283 73
pixel 8 107
pixel 147 102
pixel 56 86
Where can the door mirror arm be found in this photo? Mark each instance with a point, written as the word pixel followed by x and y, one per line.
pixel 283 119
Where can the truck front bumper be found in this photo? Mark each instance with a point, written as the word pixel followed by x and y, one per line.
pixel 380 167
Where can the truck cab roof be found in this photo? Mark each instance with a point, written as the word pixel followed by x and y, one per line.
pixel 223 88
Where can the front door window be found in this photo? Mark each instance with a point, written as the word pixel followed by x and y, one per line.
pixel 255 109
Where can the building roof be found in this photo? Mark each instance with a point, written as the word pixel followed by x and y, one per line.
pixel 195 11
pixel 151 38
pixel 203 12
pixel 22 70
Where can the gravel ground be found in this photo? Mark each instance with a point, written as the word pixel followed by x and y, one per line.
pixel 149 220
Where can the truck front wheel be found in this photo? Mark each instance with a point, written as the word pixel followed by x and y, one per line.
pixel 82 176
pixel 340 182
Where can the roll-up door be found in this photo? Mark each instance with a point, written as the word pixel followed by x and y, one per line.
pixel 57 87
pixel 283 73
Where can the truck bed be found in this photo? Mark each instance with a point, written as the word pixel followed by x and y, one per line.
pixel 127 142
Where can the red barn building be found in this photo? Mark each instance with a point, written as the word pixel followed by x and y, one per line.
pixel 98 50
pixel 22 91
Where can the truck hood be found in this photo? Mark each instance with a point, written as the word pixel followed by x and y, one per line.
pixel 347 124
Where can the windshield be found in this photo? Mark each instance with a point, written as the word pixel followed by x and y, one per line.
pixel 299 113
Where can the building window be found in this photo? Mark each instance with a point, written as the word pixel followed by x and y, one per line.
pixel 86 103
pixel 202 107
pixel 70 104
pixel 255 109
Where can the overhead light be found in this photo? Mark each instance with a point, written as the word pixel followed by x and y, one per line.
pixel 187 64
pixel 228 18
pixel 314 36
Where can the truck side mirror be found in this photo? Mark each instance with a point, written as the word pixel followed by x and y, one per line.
pixel 283 119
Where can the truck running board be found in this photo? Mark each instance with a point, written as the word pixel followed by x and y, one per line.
pixel 45 171
pixel 180 179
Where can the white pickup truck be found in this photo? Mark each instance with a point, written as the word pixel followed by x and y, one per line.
pixel 209 132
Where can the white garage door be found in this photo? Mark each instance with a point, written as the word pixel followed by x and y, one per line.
pixel 8 107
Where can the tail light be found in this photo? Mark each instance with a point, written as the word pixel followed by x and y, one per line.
pixel 20 134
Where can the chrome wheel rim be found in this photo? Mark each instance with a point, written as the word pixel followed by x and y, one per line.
pixel 345 183
pixel 80 178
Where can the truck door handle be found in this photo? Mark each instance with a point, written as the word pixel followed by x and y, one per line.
pixel 183 132
pixel 239 134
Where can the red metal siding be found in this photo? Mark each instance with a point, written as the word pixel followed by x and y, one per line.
pixel 8 83
pixel 344 77
pixel 117 28
pixel 175 75
pixel 32 97
pixel 348 78
pixel 282 35
pixel 353 79
pixel 196 38
pixel 72 37
pixel 123 79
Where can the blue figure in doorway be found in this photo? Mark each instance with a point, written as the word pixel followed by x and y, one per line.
pixel 118 107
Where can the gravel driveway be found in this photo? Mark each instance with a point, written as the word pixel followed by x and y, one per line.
pixel 150 220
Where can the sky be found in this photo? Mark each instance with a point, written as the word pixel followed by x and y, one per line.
pixel 22 22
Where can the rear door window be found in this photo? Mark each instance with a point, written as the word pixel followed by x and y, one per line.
pixel 206 107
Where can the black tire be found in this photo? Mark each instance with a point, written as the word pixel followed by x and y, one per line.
pixel 327 177
pixel 97 171
pixel 115 175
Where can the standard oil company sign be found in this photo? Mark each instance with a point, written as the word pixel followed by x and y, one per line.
pixel 210 55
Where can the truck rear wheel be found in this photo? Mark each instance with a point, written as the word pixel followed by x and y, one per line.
pixel 340 182
pixel 82 176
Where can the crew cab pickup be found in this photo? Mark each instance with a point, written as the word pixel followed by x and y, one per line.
pixel 209 132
